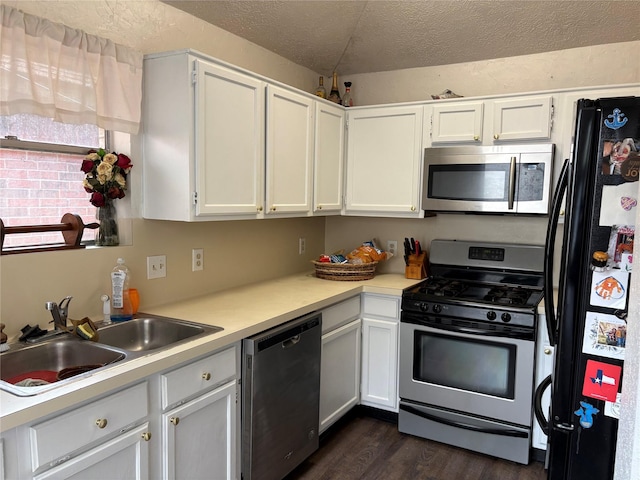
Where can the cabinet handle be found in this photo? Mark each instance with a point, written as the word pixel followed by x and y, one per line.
pixel 101 422
pixel 273 209
pixel 146 436
pixel 547 351
pixel 476 138
pixel 413 209
pixel 319 207
pixel 496 136
pixel 174 420
pixel 206 376
pixel 259 209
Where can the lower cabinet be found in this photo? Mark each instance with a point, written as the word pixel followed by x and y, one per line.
pixel 199 437
pixel 178 424
pixel 125 456
pixel 380 323
pixel 339 373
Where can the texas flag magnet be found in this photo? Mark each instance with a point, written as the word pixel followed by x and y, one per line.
pixel 601 381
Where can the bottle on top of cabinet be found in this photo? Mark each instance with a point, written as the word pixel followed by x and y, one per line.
pixel 347 101
pixel 121 308
pixel 320 91
pixel 334 94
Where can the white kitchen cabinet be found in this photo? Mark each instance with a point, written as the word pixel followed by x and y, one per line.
pixel 203 140
pixel 126 456
pixel 200 418
pixel 289 160
pixel 380 325
pixel 544 368
pixel 492 121
pixel 328 158
pixel 457 122
pixel 199 438
pixel 528 118
pixel 384 161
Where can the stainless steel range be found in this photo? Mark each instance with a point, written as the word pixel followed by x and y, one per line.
pixel 467 343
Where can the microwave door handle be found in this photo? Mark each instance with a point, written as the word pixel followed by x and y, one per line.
pixel 512 182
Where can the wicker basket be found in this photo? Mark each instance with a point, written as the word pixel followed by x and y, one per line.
pixel 345 271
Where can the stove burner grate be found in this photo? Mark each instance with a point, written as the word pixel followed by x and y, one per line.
pixel 444 288
pixel 506 295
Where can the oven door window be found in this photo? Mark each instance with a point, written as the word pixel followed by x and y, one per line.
pixel 484 182
pixel 468 364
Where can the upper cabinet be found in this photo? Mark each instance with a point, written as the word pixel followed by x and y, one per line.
pixel 290 132
pixel 221 143
pixel 328 159
pixel 457 122
pixel 203 140
pixel 492 121
pixel 384 158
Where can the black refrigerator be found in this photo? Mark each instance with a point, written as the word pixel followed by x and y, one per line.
pixel 599 191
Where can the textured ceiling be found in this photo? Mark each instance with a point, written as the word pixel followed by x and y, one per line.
pixel 358 36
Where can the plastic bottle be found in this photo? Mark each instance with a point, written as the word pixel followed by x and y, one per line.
pixel 121 309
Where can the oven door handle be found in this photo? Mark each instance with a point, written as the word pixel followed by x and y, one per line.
pixel 466 426
pixel 472 331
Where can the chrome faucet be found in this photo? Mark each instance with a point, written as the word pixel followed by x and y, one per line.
pixel 59 313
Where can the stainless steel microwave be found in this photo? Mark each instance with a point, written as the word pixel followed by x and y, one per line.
pixel 503 179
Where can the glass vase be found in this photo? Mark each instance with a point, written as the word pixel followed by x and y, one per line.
pixel 107 233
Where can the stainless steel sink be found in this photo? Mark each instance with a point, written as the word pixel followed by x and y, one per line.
pixel 151 333
pixel 52 362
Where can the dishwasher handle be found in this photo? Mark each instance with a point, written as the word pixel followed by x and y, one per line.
pixel 290 342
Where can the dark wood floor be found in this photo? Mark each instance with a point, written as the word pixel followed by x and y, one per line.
pixel 363 447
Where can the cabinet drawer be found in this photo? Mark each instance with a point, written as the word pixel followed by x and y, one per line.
pixel 198 376
pixel 81 427
pixel 381 306
pixel 336 315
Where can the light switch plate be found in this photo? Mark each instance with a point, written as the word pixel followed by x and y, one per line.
pixel 156 266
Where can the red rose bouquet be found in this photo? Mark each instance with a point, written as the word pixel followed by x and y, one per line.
pixel 106 175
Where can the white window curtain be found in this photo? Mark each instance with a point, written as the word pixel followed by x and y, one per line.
pixel 58 72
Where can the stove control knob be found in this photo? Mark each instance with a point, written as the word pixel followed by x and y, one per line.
pixel 437 308
pixel 424 307
pixel 506 317
pixel 491 315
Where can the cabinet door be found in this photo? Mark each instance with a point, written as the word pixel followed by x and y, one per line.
pixel 328 159
pixel 229 137
pixel 199 437
pixel 126 456
pixel 522 119
pixel 457 122
pixel 379 364
pixel 339 373
pixel 384 158
pixel 289 152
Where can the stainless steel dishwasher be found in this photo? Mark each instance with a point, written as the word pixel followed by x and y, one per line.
pixel 280 398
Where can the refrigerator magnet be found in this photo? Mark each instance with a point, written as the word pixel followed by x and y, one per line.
pixel 612 409
pixel 620 249
pixel 604 335
pixel 586 413
pixel 619 204
pixel 601 381
pixel 609 289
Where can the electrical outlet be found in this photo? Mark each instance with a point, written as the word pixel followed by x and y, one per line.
pixel 392 247
pixel 302 246
pixel 156 266
pixel 197 259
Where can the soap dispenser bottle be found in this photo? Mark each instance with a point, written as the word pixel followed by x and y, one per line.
pixel 121 308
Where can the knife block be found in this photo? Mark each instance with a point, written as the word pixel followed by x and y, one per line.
pixel 417 266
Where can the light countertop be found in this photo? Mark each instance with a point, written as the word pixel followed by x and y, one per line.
pixel 242 312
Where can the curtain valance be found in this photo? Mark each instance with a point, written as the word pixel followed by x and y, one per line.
pixel 58 72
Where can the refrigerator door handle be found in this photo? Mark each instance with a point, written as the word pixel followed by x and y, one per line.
pixel 549 306
pixel 567 427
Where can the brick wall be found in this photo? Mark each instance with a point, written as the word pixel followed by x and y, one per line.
pixel 38 188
